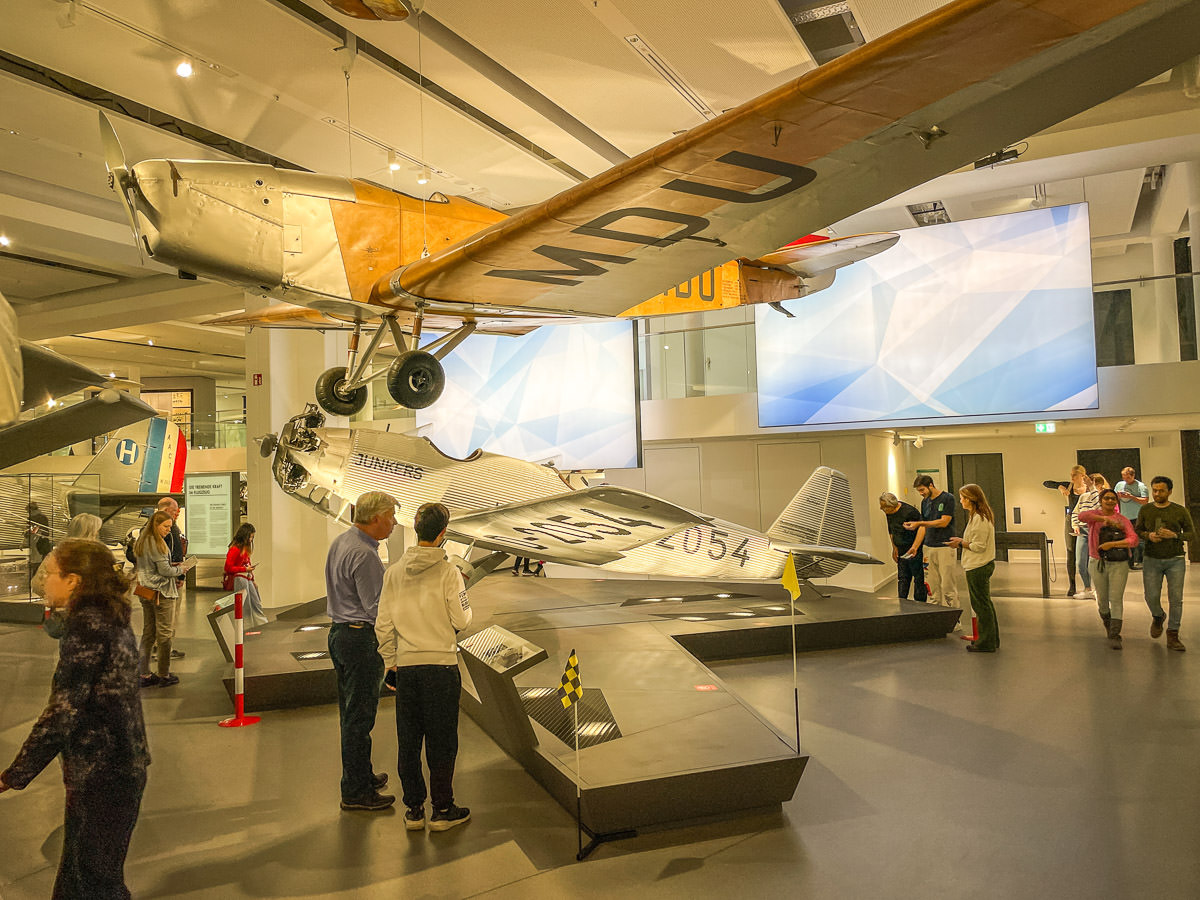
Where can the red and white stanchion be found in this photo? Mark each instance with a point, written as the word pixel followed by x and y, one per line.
pixel 239 717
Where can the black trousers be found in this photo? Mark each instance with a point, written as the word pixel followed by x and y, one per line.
pixel 359 667
pixel 911 571
pixel 99 823
pixel 427 712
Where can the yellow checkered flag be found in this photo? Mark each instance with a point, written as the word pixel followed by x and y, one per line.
pixel 789 579
pixel 571 688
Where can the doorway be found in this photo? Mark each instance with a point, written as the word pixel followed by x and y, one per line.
pixel 1109 463
pixel 985 470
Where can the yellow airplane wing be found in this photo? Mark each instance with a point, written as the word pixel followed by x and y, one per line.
pixel 913 104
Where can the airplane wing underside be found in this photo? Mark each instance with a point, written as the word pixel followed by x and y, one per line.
pixel 97 415
pixel 914 104
pixel 437 317
pixel 592 526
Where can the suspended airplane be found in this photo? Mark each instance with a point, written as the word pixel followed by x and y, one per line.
pixel 920 101
pixel 140 464
pixel 33 379
pixel 518 508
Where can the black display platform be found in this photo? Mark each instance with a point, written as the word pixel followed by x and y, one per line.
pixel 687 748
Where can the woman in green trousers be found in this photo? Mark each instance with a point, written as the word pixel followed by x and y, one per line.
pixel 979 560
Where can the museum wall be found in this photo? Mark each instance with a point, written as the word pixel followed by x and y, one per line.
pixel 1028 461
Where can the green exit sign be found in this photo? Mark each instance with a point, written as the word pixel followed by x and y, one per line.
pixel 1043 427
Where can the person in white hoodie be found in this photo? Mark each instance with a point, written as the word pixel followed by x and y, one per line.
pixel 422 607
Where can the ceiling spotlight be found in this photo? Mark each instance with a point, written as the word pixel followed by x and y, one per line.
pixel 4 241
pixel 393 163
pixel 895 439
pixel 50 403
pixel 423 177
pixel 919 442
pixel 150 343
pixel 184 69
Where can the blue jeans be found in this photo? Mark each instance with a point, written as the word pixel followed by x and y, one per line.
pixel 359 667
pixel 1174 569
pixel 1081 557
pixel 1109 579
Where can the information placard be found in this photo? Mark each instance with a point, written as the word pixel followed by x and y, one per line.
pixel 212 507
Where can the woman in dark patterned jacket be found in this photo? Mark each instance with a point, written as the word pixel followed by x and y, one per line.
pixel 93 720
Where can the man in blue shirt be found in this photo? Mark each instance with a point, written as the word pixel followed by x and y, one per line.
pixel 937 517
pixel 353 579
pixel 1133 495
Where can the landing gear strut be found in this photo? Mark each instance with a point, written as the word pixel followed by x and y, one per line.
pixel 415 379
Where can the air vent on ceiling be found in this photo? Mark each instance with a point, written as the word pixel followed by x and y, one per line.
pixel 827 29
pixel 669 75
pixel 932 213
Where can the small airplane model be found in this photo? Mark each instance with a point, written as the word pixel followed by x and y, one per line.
pixel 518 508
pixel 32 379
pixel 141 463
pixel 920 101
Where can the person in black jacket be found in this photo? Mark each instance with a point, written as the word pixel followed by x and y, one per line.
pixel 93 720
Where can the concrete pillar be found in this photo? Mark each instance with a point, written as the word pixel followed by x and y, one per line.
pixel 1166 311
pixel 1193 184
pixel 292 539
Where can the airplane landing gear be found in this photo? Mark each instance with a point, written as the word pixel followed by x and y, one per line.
pixel 416 379
pixel 332 394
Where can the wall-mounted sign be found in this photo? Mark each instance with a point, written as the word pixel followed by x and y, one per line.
pixel 1043 427
pixel 213 512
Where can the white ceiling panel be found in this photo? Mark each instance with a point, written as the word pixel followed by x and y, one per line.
pixel 878 17
pixel 567 53
pixel 24 280
pixel 1112 200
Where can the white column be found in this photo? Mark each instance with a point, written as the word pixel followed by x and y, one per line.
pixel 292 539
pixel 1166 310
pixel 1193 184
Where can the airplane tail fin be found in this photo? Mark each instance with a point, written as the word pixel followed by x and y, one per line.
pixel 146 457
pixel 818 526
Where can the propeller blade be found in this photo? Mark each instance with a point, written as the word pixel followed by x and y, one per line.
pixel 120 177
pixel 114 156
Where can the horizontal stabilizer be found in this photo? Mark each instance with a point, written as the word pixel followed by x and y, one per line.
pixel 593 526
pixel 816 258
pixel 838 554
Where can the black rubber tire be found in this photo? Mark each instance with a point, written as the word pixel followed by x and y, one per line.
pixel 330 397
pixel 416 379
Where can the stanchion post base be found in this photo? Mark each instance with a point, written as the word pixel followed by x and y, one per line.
pixel 597 839
pixel 239 721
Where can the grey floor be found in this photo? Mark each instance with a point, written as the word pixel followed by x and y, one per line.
pixel 1054 768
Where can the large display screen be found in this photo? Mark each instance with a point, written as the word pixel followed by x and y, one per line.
pixel 977 318
pixel 563 394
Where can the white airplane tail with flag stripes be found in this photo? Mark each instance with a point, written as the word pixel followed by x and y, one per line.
pixel 146 457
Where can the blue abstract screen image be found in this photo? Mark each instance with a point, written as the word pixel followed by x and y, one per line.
pixel 563 394
pixel 984 317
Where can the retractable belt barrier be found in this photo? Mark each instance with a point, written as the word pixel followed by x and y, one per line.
pixel 239 716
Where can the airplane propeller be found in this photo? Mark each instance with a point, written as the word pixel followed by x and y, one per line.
pixel 120 177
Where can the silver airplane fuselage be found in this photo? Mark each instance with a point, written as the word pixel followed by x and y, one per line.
pixel 329 467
